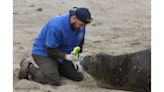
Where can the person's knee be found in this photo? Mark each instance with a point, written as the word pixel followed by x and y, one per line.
pixel 78 77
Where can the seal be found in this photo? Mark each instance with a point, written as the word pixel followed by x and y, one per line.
pixel 130 71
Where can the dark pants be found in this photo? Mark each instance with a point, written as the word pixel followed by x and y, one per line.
pixel 49 71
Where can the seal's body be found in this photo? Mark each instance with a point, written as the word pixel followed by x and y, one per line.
pixel 129 71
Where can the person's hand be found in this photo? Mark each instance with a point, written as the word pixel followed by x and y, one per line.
pixel 77 66
pixel 71 57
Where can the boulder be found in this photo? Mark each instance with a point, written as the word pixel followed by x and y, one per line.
pixel 131 71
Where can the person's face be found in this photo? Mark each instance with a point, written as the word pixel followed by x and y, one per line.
pixel 76 23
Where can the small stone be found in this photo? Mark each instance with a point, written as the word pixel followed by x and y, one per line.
pixel 39 9
pixel 59 14
pixel 135 43
pixel 62 3
pixel 101 9
pixel 26 13
pixel 99 23
pixel 15 13
pixel 32 5
pixel 94 24
pixel 21 48
pixel 48 91
pixel 112 52
pixel 17 43
pixel 97 41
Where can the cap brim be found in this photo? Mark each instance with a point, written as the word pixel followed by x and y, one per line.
pixel 72 12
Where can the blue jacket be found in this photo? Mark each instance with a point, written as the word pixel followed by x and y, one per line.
pixel 57 33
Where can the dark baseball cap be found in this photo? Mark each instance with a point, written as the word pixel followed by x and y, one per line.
pixel 83 14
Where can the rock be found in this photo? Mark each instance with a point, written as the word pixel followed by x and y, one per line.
pixel 97 41
pixel 26 13
pixel 39 9
pixel 135 43
pixel 130 71
pixel 15 13
pixel 21 48
pixel 97 24
pixel 94 24
pixel 59 14
pixel 17 43
pixel 32 5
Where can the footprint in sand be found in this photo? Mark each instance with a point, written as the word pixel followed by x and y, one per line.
pixel 62 3
pixel 32 39
pixel 135 43
pixel 115 37
pixel 116 29
pixel 135 39
pixel 16 43
pixel 59 14
pixel 97 41
pixel 147 46
pixel 32 6
pixel 15 13
pixel 26 13
pixel 15 75
pixel 21 48
pixel 97 24
pixel 101 9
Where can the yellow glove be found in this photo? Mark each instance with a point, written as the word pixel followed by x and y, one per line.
pixel 76 63
pixel 75 51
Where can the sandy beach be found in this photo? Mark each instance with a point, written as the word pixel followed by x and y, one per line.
pixel 119 27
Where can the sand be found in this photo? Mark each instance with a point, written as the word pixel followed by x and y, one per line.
pixel 119 27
